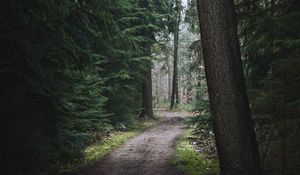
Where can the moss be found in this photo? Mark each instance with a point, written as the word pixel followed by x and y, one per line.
pixel 101 148
pixel 189 161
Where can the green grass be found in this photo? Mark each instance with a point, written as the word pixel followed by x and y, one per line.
pixel 98 150
pixel 187 160
pixel 101 148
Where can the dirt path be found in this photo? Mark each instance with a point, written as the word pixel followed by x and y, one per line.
pixel 146 154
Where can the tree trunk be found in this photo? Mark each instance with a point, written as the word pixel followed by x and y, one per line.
pixel 189 87
pixel 199 72
pixel 233 128
pixel 174 95
pixel 157 89
pixel 147 110
pixel 169 78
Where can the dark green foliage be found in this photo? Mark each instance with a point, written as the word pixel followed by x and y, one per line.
pixel 269 32
pixel 53 102
pixel 202 120
pixel 70 71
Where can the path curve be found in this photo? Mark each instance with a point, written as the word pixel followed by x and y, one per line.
pixel 146 154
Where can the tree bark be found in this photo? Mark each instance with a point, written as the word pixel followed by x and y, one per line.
pixel 189 87
pixel 233 128
pixel 147 109
pixel 174 95
pixel 169 78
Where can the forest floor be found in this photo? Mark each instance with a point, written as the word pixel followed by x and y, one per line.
pixel 149 153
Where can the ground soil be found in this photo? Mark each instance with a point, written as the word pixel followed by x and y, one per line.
pixel 146 154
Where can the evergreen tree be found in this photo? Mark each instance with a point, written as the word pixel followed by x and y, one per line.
pixel 72 70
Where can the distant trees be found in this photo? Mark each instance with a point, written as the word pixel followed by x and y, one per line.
pixel 177 19
pixel 233 128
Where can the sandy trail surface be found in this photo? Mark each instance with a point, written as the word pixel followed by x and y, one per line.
pixel 146 154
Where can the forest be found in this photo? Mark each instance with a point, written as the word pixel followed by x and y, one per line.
pixel 150 87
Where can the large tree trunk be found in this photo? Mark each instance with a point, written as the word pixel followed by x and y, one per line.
pixel 233 128
pixel 147 110
pixel 174 95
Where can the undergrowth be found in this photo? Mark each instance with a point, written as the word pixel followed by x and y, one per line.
pixel 189 161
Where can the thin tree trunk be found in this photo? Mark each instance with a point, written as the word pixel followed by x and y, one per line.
pixel 169 79
pixel 199 78
pixel 189 87
pixel 233 128
pixel 174 95
pixel 156 88
pixel 283 151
